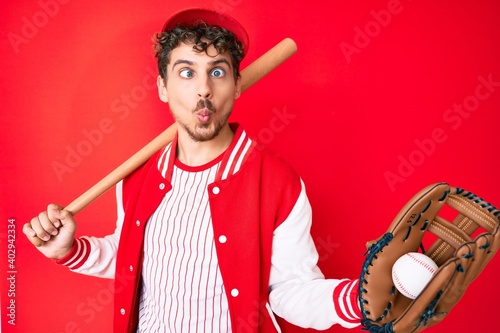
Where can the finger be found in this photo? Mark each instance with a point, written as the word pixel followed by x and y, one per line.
pixel 47 224
pixel 53 213
pixel 465 254
pixel 37 227
pixel 28 230
pixel 31 235
pixel 64 217
pixel 482 255
pixel 452 287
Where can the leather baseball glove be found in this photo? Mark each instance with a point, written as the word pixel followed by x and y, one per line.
pixel 460 248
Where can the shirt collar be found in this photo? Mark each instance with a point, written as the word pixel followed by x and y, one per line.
pixel 234 157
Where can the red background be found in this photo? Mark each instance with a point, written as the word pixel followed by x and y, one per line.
pixel 370 84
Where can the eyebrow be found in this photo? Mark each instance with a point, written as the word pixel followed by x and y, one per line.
pixel 182 61
pixel 191 63
pixel 219 61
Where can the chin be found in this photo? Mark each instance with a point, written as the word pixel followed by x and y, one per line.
pixel 204 133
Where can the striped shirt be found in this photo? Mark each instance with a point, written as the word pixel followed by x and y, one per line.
pixel 182 288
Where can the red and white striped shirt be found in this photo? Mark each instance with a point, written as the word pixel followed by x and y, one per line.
pixel 182 288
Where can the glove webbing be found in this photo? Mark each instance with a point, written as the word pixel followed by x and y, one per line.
pixel 472 215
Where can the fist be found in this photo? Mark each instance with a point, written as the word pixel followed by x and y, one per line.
pixel 52 231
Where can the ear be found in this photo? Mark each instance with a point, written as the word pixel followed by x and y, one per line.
pixel 237 92
pixel 162 89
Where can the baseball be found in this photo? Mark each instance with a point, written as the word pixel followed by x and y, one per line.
pixel 412 272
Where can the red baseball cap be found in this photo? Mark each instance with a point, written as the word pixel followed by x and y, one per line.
pixel 192 16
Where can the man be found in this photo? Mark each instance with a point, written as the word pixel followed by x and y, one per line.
pixel 212 233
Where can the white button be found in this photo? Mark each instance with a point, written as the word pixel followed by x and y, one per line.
pixel 235 292
pixel 222 239
pixel 122 311
pixel 137 223
pixel 162 186
pixel 216 190
pixel 131 268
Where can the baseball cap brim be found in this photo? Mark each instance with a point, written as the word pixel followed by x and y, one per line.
pixel 189 17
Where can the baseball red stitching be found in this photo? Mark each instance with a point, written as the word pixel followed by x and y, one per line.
pixel 401 287
pixel 424 264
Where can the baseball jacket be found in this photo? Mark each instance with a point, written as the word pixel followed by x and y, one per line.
pixel 261 221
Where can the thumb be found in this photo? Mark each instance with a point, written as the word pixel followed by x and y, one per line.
pixel 61 217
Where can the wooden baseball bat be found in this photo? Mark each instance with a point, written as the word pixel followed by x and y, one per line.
pixel 250 75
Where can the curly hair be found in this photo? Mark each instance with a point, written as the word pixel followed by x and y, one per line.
pixel 223 40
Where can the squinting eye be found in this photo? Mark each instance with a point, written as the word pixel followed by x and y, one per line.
pixel 186 73
pixel 218 72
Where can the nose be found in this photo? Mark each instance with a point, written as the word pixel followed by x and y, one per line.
pixel 204 87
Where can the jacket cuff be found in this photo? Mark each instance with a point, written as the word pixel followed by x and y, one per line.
pixel 78 254
pixel 345 298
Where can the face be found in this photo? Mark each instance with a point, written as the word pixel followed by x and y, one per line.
pixel 200 90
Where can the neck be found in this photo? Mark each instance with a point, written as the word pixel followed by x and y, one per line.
pixel 194 153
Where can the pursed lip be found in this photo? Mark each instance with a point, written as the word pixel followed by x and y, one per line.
pixel 204 110
pixel 204 115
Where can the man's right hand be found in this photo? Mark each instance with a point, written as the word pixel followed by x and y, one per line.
pixel 54 229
